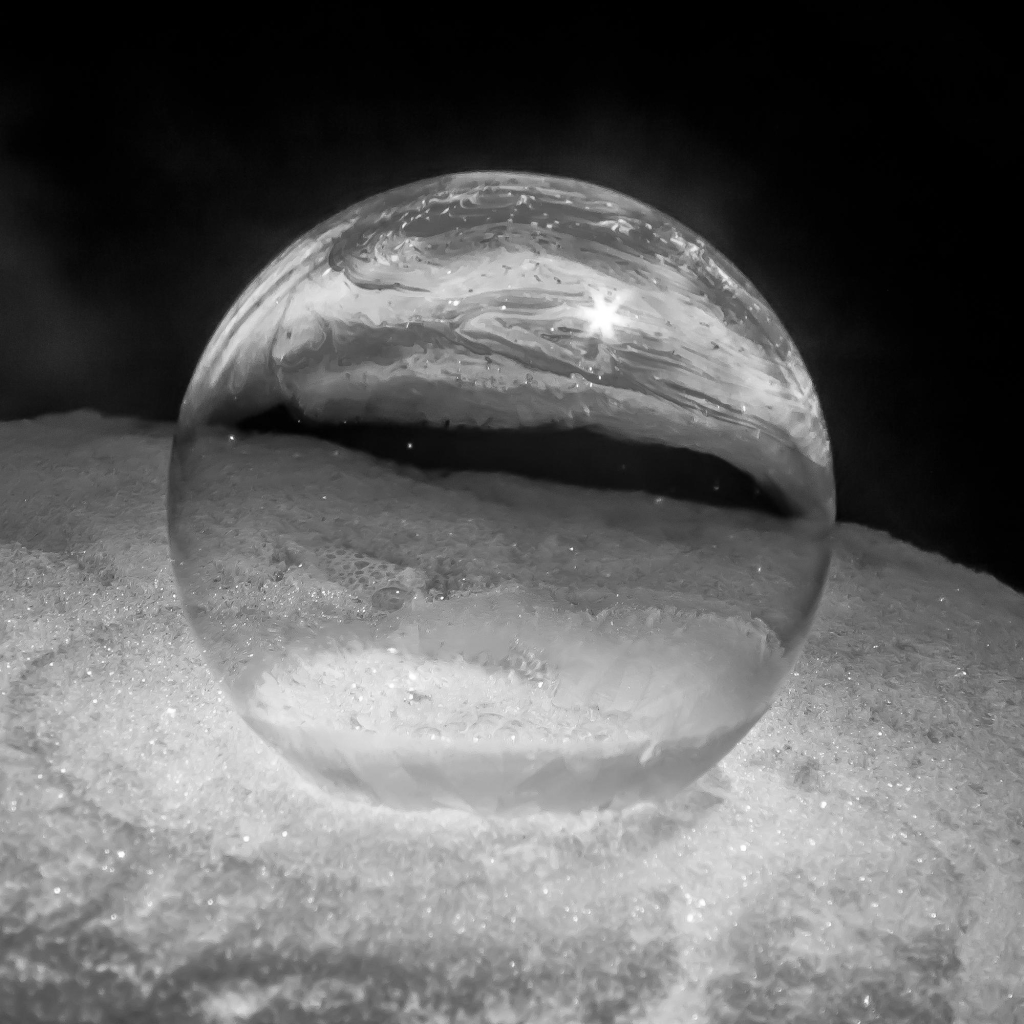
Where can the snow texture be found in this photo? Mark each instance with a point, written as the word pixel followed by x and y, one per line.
pixel 858 857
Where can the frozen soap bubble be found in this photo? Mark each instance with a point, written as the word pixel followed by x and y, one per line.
pixel 502 492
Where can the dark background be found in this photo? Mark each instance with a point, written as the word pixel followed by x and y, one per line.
pixel 856 167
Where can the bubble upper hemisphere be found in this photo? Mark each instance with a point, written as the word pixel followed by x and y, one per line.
pixel 614 310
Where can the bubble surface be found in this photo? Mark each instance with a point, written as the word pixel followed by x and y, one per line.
pixel 501 492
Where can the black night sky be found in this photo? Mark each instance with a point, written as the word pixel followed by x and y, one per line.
pixel 857 170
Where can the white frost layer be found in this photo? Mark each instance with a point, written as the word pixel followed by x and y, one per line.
pixel 877 808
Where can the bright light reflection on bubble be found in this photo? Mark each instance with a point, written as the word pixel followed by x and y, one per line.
pixel 501 492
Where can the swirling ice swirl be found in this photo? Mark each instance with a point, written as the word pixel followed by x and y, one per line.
pixel 504 300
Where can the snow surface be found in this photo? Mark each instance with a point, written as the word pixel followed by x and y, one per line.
pixel 858 857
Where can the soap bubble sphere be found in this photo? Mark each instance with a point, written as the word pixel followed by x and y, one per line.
pixel 501 492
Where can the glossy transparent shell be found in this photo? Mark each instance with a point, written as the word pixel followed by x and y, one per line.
pixel 501 492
